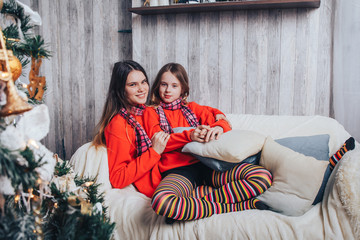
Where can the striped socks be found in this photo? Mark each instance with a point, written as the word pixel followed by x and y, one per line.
pixel 234 190
pixel 348 145
pixel 173 199
pixel 241 183
pixel 201 191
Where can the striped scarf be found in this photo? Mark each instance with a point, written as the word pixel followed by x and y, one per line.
pixel 175 105
pixel 142 140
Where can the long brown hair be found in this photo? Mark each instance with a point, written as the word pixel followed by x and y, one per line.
pixel 116 99
pixel 179 72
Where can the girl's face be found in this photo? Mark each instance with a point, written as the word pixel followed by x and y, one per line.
pixel 136 88
pixel 170 88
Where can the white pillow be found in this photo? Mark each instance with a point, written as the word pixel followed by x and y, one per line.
pixel 233 146
pixel 296 179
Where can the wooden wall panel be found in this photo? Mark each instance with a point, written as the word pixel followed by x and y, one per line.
pixel 270 61
pixel 239 61
pixel 274 61
pixel 85 43
pixel 225 24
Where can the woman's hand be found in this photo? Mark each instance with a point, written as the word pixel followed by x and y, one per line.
pixel 222 117
pixel 213 133
pixel 199 133
pixel 159 141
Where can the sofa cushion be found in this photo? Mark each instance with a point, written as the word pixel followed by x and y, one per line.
pixel 296 179
pixel 316 146
pixel 232 147
pixel 214 156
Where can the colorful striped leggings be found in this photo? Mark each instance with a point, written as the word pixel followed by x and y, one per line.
pixel 234 190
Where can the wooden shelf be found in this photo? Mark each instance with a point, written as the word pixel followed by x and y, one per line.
pixel 225 6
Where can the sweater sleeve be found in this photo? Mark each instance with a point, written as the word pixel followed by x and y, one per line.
pixel 206 116
pixel 152 125
pixel 124 167
pixel 214 111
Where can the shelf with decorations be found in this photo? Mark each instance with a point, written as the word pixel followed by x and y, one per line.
pixel 224 6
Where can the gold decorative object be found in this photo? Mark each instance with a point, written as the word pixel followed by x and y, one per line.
pixel 36 82
pixel 75 201
pixel 14 64
pixel 2 205
pixel 86 208
pixel 14 103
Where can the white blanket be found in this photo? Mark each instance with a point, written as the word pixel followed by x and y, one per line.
pixel 336 217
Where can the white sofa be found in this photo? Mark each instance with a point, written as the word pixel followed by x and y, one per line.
pixel 336 217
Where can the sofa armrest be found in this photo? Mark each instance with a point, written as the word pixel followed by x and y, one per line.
pixel 92 162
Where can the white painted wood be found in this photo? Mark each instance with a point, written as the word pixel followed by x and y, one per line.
pixel 181 39
pixel 346 67
pixel 272 61
pixel 287 64
pixel 225 61
pixel 97 49
pixel 194 57
pixel 88 70
pixel 255 61
pixel 66 75
pixel 239 62
pixel 136 37
pixel 47 70
pixel 313 68
pixel 325 57
pixel 85 43
pixel 209 60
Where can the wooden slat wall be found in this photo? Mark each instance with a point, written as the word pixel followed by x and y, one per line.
pixel 274 61
pixel 84 39
pixel 257 61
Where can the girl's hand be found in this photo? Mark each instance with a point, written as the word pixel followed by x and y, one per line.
pixel 199 133
pixel 214 133
pixel 222 117
pixel 159 141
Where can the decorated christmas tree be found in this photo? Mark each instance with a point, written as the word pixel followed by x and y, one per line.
pixel 40 196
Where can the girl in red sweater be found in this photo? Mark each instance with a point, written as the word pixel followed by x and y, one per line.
pixel 132 157
pixel 219 192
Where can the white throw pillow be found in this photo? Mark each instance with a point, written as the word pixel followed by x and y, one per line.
pixel 233 146
pixel 296 179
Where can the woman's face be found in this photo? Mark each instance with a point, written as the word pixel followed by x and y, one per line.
pixel 170 87
pixel 136 88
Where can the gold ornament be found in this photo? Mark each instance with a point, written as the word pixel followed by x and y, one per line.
pixel 2 205
pixel 75 201
pixel 86 208
pixel 36 82
pixel 14 64
pixel 14 103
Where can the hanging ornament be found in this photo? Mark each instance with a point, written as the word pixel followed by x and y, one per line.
pixel 14 64
pixel 75 201
pixel 86 208
pixel 37 83
pixel 14 103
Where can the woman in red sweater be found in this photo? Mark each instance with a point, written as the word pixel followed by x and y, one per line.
pixel 132 157
pixel 175 197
